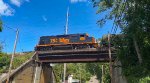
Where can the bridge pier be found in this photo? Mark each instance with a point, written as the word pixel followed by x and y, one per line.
pixel 43 73
pixel 24 74
pixel 47 75
pixel 32 72
pixel 117 75
pixel 37 74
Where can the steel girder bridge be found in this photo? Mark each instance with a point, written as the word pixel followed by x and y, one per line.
pixel 38 69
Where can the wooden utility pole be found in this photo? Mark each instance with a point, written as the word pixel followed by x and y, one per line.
pixel 66 32
pixel 80 72
pixel 66 28
pixel 64 72
pixel 102 79
pixel 12 57
pixel 110 58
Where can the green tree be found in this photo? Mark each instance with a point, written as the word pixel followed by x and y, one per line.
pixel 0 25
pixel 4 62
pixel 78 71
pixel 132 17
pixel 1 48
pixel 96 69
pixel 0 31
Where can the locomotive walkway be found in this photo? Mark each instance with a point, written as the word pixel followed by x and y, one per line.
pixel 38 69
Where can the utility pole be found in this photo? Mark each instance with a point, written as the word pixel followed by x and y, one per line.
pixel 102 79
pixel 110 58
pixel 66 28
pixel 64 72
pixel 12 57
pixel 80 67
pixel 66 32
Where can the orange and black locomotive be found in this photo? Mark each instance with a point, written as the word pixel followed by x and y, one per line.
pixel 70 41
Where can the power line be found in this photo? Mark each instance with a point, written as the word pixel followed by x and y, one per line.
pixel 10 28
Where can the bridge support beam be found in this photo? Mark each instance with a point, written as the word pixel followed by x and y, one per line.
pixel 43 74
pixel 47 74
pixel 117 75
pixel 37 75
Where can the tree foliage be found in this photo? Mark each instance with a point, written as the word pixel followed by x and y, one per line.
pixel 132 17
pixel 0 25
pixel 4 62
pixel 82 71
pixel 78 71
pixel 96 69
pixel 1 47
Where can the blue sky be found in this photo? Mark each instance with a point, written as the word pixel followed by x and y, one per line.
pixel 35 18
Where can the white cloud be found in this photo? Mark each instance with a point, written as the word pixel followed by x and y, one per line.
pixel 18 2
pixel 44 18
pixel 76 1
pixel 5 9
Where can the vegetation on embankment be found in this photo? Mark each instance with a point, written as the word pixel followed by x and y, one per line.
pixel 18 60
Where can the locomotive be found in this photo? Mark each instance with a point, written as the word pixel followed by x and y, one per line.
pixel 69 41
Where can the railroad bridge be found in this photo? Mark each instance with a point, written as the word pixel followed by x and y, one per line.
pixel 74 56
pixel 38 69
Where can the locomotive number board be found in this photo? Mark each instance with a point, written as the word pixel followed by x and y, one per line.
pixel 55 40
